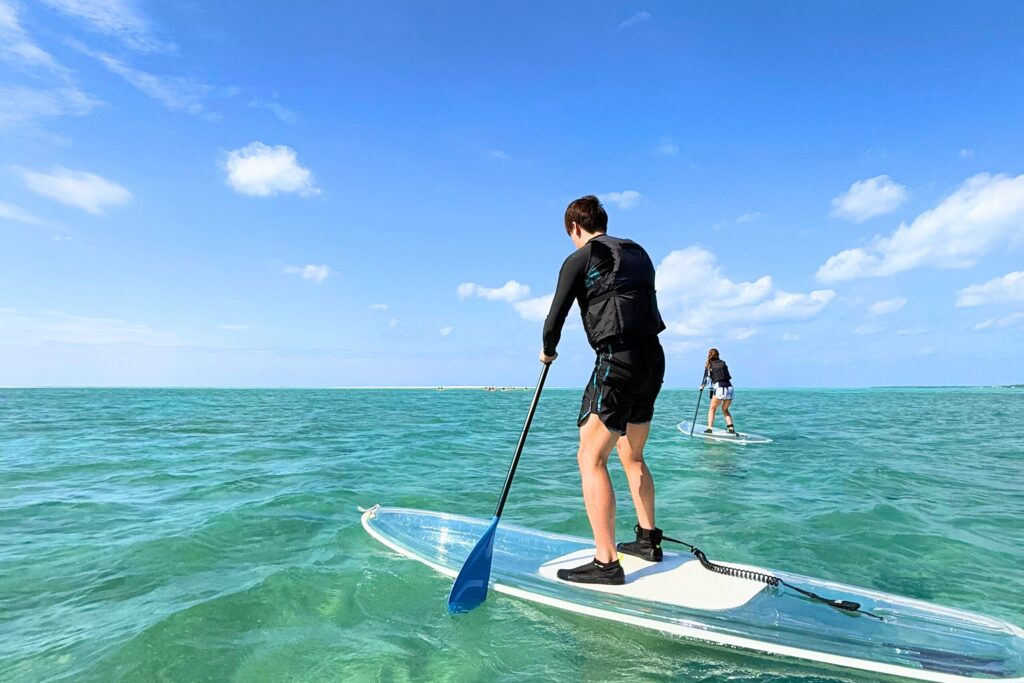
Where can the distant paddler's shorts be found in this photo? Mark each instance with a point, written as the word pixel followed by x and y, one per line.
pixel 723 393
pixel 624 385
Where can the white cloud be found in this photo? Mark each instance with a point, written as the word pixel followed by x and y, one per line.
pixel 868 198
pixel 283 113
pixel 638 18
pixel 510 291
pixel 497 155
pixel 513 292
pixel 694 297
pixel 21 328
pixel 259 170
pixel 393 323
pixel 666 148
pixel 379 307
pixel 752 217
pixel 983 212
pixel 1001 323
pixel 446 330
pixel 1008 288
pixel 886 306
pixel 14 213
pixel 233 327
pixel 311 272
pixel 535 309
pixel 966 153
pixel 86 191
pixel 867 329
pixel 115 18
pixel 627 199
pixel 789 336
pixel 697 299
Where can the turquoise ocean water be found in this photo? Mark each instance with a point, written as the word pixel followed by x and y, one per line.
pixel 213 535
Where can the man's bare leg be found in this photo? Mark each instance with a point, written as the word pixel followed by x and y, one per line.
pixel 641 485
pixel 596 443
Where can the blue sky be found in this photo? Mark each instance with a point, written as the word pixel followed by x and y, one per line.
pixel 341 194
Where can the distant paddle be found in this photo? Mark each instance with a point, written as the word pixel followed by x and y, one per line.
pixel 470 588
pixel 700 393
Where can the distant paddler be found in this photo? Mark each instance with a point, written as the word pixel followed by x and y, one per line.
pixel 612 280
pixel 717 372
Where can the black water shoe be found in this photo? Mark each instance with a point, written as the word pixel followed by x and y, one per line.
pixel 730 429
pixel 647 544
pixel 608 573
pixel 709 430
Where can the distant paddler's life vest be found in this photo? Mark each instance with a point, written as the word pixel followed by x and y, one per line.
pixel 718 372
pixel 620 305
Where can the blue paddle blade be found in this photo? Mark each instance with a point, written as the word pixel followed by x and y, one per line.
pixel 470 588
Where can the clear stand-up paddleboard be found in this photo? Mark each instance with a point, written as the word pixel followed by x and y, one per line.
pixel 905 637
pixel 722 435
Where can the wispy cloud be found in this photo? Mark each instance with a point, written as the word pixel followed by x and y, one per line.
pixel 966 153
pixel 1002 323
pixel 87 191
pixel 498 155
pixel 174 92
pixel 311 272
pixel 282 112
pixel 666 148
pixel 17 46
pixel 985 211
pixel 26 105
pixel 1006 289
pixel 886 306
pixel 510 291
pixel 58 94
pixel 29 328
pixel 379 307
pixel 751 217
pixel 867 328
pixel 13 213
pixel 638 18
pixel 446 330
pixel 233 327
pixel 627 199
pixel 698 299
pixel 259 170
pixel 869 198
pixel 118 19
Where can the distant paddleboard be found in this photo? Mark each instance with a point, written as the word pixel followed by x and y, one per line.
pixel 722 435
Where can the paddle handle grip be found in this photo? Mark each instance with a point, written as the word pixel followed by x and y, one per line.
pixel 522 441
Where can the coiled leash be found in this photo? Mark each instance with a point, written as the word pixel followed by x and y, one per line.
pixel 773 581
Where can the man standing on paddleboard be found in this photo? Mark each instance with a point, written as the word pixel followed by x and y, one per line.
pixel 612 280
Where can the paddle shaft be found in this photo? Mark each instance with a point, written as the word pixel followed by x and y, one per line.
pixel 522 441
pixel 700 394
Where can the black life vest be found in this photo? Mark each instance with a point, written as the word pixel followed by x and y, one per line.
pixel 718 371
pixel 620 305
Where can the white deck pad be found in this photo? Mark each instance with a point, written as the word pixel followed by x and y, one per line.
pixel 722 435
pixel 677 580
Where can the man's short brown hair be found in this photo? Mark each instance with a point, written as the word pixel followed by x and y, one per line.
pixel 587 213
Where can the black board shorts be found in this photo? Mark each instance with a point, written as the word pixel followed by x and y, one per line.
pixel 624 385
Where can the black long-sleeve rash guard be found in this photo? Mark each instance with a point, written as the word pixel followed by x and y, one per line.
pixel 571 287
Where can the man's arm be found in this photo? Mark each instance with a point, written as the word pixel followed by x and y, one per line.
pixel 570 278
